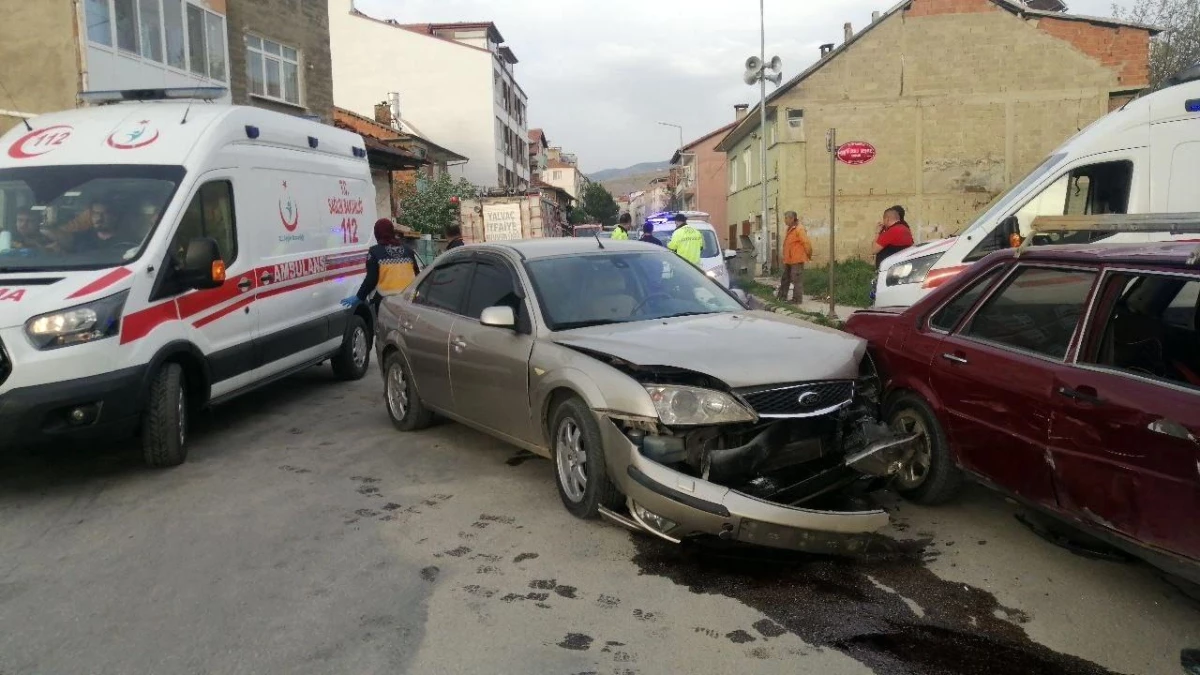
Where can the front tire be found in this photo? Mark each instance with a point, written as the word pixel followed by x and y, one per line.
pixel 165 424
pixel 580 470
pixel 400 397
pixel 930 476
pixel 351 361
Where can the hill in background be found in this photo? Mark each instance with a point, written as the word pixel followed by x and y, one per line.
pixel 631 178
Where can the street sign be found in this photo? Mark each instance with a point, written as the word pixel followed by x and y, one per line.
pixel 855 153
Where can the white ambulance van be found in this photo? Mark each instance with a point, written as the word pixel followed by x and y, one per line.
pixel 1142 158
pixel 159 257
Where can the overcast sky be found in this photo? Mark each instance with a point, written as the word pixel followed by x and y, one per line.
pixel 601 73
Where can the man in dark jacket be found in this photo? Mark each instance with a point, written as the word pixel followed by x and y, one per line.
pixel 454 234
pixel 648 235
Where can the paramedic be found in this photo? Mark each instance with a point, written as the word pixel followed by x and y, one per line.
pixel 391 266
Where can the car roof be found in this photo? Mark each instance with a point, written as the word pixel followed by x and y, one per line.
pixel 550 247
pixel 1164 253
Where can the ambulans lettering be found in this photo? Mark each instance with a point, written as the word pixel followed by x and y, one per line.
pixel 299 268
pixel 11 294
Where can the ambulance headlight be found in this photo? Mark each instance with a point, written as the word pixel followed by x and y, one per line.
pixel 912 271
pixel 75 325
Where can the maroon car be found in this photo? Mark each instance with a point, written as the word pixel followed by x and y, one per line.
pixel 1067 377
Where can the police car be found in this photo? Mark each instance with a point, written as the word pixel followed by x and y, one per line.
pixel 712 257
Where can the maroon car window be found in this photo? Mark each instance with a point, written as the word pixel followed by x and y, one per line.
pixel 1150 328
pixel 1037 310
pixel 952 312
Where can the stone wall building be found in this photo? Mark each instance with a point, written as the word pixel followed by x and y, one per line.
pixel 279 56
pixel 960 98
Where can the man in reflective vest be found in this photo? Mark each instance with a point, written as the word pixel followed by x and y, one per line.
pixel 686 241
pixel 621 231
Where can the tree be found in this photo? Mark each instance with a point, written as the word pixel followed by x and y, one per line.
pixel 430 206
pixel 1178 46
pixel 597 206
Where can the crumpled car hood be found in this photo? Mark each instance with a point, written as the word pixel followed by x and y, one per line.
pixel 743 349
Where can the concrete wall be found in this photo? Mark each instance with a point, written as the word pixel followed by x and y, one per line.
pixel 960 100
pixel 445 87
pixel 300 24
pixel 39 47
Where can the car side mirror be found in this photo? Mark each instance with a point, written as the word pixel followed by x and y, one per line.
pixel 500 316
pixel 730 253
pixel 202 266
pixel 740 295
pixel 1004 233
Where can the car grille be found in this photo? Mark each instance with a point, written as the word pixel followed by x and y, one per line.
pixel 5 364
pixel 785 401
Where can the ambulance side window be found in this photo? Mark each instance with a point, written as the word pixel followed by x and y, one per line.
pixel 210 214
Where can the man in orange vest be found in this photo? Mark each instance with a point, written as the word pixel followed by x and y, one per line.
pixel 797 250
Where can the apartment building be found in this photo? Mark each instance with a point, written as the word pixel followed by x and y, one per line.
pixel 562 171
pixel 455 81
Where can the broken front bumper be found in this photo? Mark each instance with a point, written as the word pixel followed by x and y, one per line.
pixel 697 507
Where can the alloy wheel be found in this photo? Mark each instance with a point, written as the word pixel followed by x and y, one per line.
pixel 397 392
pixel 358 347
pixel 571 458
pixel 916 466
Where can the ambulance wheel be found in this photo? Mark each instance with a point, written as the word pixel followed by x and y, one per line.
pixel 165 424
pixel 351 361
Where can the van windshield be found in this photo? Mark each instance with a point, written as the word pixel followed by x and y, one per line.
pixel 1006 199
pixel 80 216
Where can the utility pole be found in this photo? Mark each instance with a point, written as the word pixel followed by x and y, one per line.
pixel 832 146
pixel 762 135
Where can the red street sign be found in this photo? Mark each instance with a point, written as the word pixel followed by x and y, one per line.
pixel 855 153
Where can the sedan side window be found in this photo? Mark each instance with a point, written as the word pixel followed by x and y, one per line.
pixel 1038 311
pixel 1150 329
pixel 494 285
pixel 445 287
pixel 952 312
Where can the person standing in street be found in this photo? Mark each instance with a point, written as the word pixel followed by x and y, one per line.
pixel 648 235
pixel 797 250
pixel 894 235
pixel 454 235
pixel 621 231
pixel 391 266
pixel 686 241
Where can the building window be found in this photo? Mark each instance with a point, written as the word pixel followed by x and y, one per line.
pixel 99 22
pixel 733 177
pixel 161 31
pixel 274 70
pixel 555 175
pixel 795 119
pixel 747 167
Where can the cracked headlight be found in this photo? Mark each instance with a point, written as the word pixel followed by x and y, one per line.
pixel 911 271
pixel 692 406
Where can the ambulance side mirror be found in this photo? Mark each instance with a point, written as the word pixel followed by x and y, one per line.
pixel 202 266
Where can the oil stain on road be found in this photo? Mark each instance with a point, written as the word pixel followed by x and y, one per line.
pixel 893 615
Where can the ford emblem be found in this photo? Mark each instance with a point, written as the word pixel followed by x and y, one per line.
pixel 809 399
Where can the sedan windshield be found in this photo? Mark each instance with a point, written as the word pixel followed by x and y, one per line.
pixel 603 288
pixel 81 216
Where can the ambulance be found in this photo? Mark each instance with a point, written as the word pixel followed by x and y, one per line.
pixel 159 254
pixel 1141 158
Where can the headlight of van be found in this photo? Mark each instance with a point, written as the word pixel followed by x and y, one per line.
pixel 911 271
pixel 76 325
pixel 690 406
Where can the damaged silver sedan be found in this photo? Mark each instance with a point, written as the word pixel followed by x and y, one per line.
pixel 665 404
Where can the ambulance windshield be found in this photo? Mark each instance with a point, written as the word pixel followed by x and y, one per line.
pixel 80 216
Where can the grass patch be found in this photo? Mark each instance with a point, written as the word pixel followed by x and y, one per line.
pixel 766 294
pixel 852 281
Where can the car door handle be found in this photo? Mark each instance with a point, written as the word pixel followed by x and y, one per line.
pixel 265 278
pixel 1082 394
pixel 955 358
pixel 406 325
pixel 459 344
pixel 244 284
pixel 1173 429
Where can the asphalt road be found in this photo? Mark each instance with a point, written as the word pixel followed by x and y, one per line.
pixel 305 535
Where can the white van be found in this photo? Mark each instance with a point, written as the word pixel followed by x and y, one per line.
pixel 158 257
pixel 712 257
pixel 1142 158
